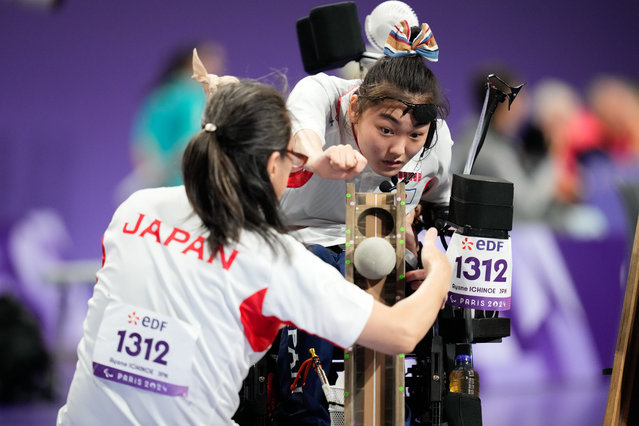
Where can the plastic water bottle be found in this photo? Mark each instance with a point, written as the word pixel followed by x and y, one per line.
pixel 464 378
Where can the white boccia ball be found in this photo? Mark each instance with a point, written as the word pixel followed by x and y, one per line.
pixel 374 258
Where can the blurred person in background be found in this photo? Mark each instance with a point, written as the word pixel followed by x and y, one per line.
pixel 573 135
pixel 570 130
pixel 168 116
pixel 615 101
pixel 613 175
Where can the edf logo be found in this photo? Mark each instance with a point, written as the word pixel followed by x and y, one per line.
pixel 153 323
pixel 489 245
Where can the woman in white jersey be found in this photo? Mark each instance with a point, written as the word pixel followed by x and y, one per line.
pixel 376 132
pixel 386 128
pixel 198 279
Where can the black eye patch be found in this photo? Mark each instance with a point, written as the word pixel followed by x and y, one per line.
pixel 422 113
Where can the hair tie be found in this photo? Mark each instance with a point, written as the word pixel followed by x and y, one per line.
pixel 398 44
pixel 210 82
pixel 210 127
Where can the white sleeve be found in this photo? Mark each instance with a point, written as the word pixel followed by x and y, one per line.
pixel 310 104
pixel 315 297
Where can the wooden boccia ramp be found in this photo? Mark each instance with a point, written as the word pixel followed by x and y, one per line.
pixel 373 381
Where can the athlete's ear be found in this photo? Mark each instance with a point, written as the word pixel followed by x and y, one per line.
pixel 353 108
pixel 273 164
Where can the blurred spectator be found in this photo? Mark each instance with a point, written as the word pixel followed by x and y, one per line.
pixel 613 178
pixel 31 311
pixel 168 117
pixel 25 364
pixel 615 102
pixel 570 131
pixel 501 153
pixel 576 141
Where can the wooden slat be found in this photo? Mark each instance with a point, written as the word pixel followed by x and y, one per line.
pixel 624 367
pixel 374 382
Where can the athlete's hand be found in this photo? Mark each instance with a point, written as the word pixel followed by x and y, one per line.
pixel 339 162
pixel 415 278
pixel 435 262
pixel 410 237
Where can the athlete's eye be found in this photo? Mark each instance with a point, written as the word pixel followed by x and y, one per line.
pixel 385 130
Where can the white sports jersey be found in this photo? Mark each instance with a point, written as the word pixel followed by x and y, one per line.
pixel 172 331
pixel 320 103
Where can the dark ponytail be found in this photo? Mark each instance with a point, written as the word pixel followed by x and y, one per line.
pixel 225 170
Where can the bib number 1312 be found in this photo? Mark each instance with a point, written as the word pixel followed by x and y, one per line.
pixel 136 345
pixel 472 268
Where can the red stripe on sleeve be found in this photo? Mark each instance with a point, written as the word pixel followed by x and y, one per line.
pixel 297 179
pixel 260 330
pixel 103 252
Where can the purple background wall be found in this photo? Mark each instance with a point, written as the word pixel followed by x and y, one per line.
pixel 71 80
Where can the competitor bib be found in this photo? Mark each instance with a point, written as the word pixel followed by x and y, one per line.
pixel 482 273
pixel 144 349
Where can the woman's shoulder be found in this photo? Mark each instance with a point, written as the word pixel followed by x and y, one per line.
pixel 284 252
pixel 168 194
pixel 171 199
pixel 330 84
